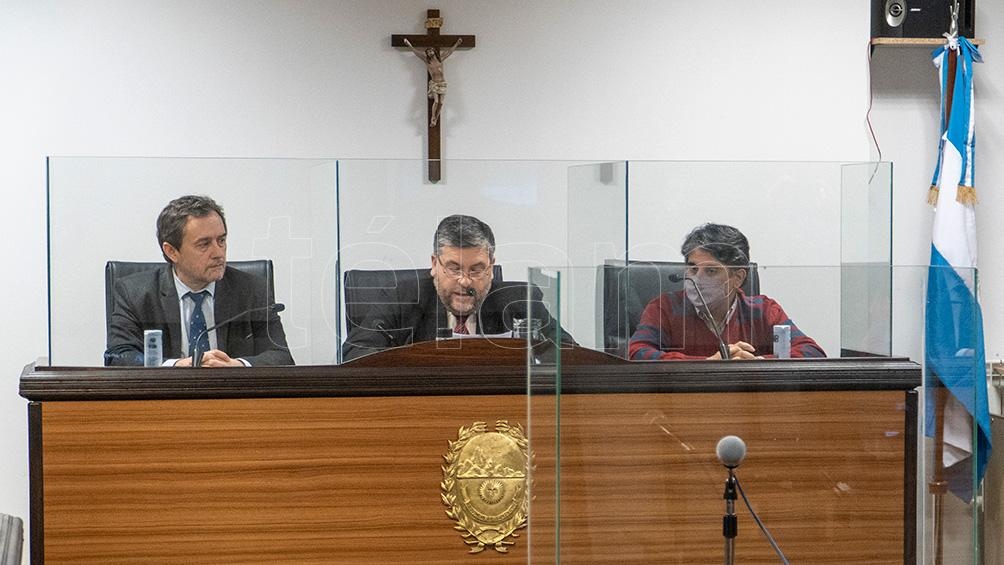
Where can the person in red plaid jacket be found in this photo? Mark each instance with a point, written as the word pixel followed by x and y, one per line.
pixel 686 324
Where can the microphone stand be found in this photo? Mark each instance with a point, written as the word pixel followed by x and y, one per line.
pixel 723 349
pixel 730 524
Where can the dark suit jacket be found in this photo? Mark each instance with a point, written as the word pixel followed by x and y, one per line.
pixel 148 300
pixel 412 312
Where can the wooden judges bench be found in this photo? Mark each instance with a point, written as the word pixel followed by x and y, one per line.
pixel 343 464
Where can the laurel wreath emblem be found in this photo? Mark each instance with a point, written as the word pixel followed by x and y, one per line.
pixel 476 534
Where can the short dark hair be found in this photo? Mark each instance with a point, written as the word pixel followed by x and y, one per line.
pixel 172 219
pixel 726 244
pixel 464 232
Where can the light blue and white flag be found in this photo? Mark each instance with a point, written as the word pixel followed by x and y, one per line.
pixel 954 350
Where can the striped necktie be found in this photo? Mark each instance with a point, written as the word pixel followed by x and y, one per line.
pixel 461 327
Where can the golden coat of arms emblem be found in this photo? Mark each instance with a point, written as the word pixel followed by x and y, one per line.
pixel 485 484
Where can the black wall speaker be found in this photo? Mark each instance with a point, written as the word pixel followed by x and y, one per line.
pixel 921 18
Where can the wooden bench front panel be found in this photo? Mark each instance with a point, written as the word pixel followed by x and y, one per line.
pixel 357 480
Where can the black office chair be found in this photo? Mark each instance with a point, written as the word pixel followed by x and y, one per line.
pixel 365 288
pixel 261 269
pixel 628 288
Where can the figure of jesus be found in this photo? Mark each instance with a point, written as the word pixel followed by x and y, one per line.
pixel 437 83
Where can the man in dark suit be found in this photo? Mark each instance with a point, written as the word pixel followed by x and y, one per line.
pixel 192 292
pixel 458 294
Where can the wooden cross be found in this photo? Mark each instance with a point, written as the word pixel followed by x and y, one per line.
pixel 434 45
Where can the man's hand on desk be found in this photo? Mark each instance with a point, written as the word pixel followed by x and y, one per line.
pixel 739 350
pixel 212 358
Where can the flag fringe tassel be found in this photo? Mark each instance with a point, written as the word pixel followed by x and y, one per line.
pixel 932 196
pixel 966 195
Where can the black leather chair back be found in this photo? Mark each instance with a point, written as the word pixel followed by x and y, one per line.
pixel 627 289
pixel 261 269
pixel 363 288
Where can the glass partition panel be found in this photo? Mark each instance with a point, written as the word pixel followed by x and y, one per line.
pixel 789 211
pixel 957 420
pixel 597 231
pixel 597 213
pixel 866 213
pixel 105 209
pixel 632 454
pixel 544 425
pixel 317 220
pixel 389 213
pixel 320 221
pixel 865 255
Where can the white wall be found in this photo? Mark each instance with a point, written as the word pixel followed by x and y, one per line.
pixel 644 79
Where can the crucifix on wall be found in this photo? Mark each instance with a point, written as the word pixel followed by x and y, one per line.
pixel 433 48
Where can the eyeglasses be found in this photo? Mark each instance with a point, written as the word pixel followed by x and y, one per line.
pixel 475 273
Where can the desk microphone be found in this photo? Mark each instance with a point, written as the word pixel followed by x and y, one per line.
pixel 731 450
pixel 197 355
pixel 723 349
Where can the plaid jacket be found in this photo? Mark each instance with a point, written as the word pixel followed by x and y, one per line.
pixel 670 329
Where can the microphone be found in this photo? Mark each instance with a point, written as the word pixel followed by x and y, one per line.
pixel 723 349
pixel 470 291
pixel 197 355
pixel 731 450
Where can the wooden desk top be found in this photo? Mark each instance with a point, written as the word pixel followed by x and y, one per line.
pixel 476 367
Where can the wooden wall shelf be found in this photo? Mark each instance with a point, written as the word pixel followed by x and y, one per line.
pixel 932 41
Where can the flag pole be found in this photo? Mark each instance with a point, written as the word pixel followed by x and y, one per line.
pixel 938 485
